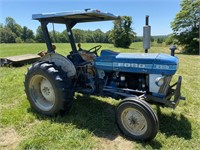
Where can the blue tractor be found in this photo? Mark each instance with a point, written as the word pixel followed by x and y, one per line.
pixel 137 79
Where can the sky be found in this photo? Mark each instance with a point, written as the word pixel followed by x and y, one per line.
pixel 161 12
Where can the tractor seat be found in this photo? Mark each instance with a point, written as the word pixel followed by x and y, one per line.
pixel 77 60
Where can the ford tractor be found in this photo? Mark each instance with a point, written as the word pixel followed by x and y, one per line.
pixel 136 79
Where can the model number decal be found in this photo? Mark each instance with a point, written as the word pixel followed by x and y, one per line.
pixel 161 67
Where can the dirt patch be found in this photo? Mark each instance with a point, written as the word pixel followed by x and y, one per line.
pixel 9 139
pixel 118 143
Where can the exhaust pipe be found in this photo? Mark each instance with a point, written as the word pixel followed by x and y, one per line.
pixel 172 48
pixel 146 35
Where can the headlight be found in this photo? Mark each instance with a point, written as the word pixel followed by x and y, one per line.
pixel 159 81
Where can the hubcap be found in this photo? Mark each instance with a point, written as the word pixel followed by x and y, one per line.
pixel 134 121
pixel 47 90
pixel 42 92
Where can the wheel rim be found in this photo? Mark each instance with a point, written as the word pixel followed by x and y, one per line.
pixel 134 121
pixel 42 92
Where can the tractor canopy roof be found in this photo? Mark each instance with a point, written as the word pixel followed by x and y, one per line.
pixel 87 15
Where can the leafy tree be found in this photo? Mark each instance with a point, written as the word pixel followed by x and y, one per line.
pixel 99 36
pixel 13 26
pixel 152 39
pixel 39 35
pixel 122 33
pixel 89 36
pixel 54 36
pixel 137 39
pixel 63 37
pixel 18 40
pixel 107 37
pixel 6 36
pixel 30 41
pixel 1 25
pixel 27 34
pixel 13 32
pixel 186 25
pixel 160 40
pixel 170 40
pixel 78 35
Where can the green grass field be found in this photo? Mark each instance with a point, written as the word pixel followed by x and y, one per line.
pixel 91 122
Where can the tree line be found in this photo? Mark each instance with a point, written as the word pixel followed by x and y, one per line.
pixel 12 32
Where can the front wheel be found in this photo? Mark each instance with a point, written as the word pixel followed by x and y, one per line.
pixel 136 119
pixel 48 88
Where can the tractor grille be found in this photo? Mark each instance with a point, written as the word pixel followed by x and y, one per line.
pixel 164 88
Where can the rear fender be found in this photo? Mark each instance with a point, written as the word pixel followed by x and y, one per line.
pixel 66 65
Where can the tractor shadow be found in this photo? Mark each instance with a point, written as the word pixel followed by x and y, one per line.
pixel 98 117
pixel 94 115
pixel 174 125
pixel 88 113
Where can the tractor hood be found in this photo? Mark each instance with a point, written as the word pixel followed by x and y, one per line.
pixel 150 63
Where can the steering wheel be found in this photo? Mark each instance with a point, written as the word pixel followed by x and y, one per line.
pixel 95 49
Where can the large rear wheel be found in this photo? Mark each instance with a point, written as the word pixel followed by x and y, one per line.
pixel 48 88
pixel 136 119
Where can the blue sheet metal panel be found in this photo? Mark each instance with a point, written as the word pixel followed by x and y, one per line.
pixel 165 64
pixel 149 57
pixel 137 63
pixel 146 63
pixel 137 56
pixel 105 61
pixel 136 67
pixel 166 59
pixel 107 66
pixel 105 53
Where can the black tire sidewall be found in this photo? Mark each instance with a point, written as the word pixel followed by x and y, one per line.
pixel 151 122
pixel 60 96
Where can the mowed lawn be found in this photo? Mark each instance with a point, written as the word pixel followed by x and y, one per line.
pixel 91 122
